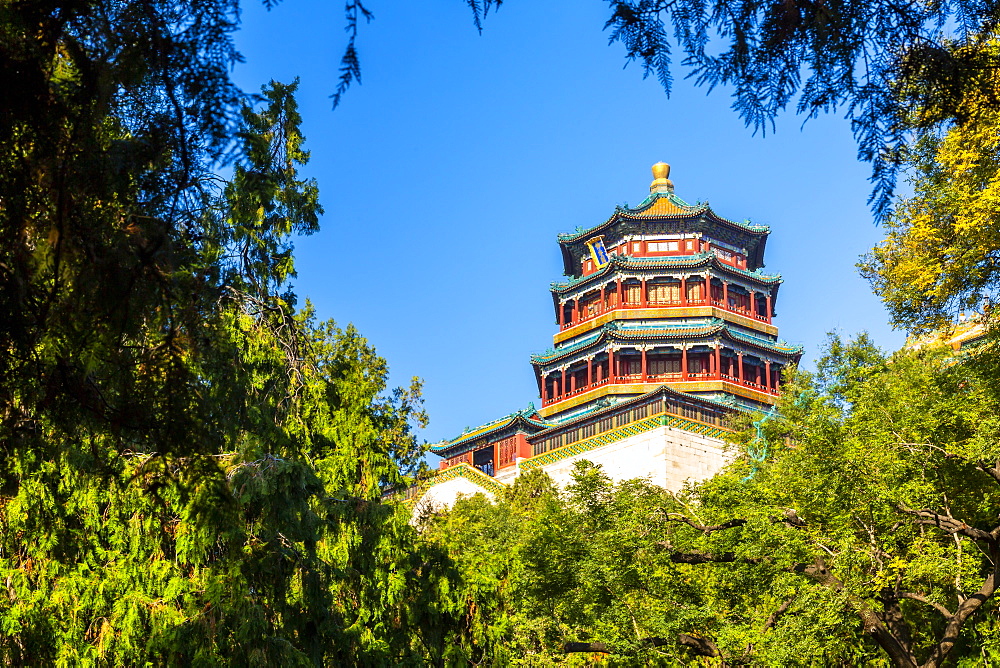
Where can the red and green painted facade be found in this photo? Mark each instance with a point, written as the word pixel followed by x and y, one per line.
pixel 664 318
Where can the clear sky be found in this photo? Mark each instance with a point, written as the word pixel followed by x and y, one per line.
pixel 447 175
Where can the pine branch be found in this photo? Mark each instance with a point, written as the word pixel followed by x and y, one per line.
pixel 992 471
pixel 777 614
pixel 700 646
pixel 654 641
pixel 350 65
pixel 701 557
pixel 480 9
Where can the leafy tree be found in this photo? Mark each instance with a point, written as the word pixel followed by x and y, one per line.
pixel 862 58
pixel 263 540
pixel 941 253
pixel 867 535
pixel 881 507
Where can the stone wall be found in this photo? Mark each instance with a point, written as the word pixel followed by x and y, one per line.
pixel 665 456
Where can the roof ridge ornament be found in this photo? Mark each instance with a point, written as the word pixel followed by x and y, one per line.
pixel 661 183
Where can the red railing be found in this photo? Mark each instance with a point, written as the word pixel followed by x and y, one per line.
pixel 673 377
pixel 670 303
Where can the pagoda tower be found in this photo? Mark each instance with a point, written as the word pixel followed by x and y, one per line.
pixel 664 293
pixel 665 329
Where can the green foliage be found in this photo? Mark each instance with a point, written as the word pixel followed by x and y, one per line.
pixel 248 529
pixel 868 536
pixel 822 57
pixel 940 254
pixel 192 466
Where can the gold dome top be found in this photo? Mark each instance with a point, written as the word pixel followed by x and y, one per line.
pixel 661 184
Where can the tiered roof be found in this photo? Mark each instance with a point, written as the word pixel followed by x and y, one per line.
pixel 694 261
pixel 662 213
pixel 627 333
pixel 666 206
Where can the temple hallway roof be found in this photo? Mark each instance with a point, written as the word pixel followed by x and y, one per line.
pixel 528 415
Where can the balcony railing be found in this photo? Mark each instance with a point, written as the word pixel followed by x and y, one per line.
pixel 584 317
pixel 671 377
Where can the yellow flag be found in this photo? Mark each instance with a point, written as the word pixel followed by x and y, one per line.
pixel 597 251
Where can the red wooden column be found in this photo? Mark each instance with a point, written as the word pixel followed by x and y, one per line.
pixel 572 382
pixel 562 384
pixel 707 297
pixel 604 305
pixel 684 291
pixel 768 314
pixel 562 314
pixel 725 295
pixel 545 390
pixel 644 377
pixel 618 292
pixel 642 295
pixel 739 357
pixel 612 371
pixel 767 374
pixel 717 358
pixel 576 311
pixel 590 367
pixel 684 363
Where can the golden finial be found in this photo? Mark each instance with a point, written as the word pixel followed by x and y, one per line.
pixel 661 184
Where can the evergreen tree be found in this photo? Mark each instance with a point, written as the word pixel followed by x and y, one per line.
pixel 193 467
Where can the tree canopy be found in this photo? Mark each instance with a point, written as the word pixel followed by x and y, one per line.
pixel 867 535
pixel 940 256
pixel 864 59
pixel 193 466
pixel 195 469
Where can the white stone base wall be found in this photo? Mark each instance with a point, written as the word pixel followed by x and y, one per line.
pixel 444 495
pixel 665 456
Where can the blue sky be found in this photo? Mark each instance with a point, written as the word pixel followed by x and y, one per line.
pixel 447 175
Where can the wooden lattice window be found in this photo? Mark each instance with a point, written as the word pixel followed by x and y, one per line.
pixel 507 450
pixel 661 366
pixel 699 363
pixel 460 459
pixel 631 366
pixel 663 293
